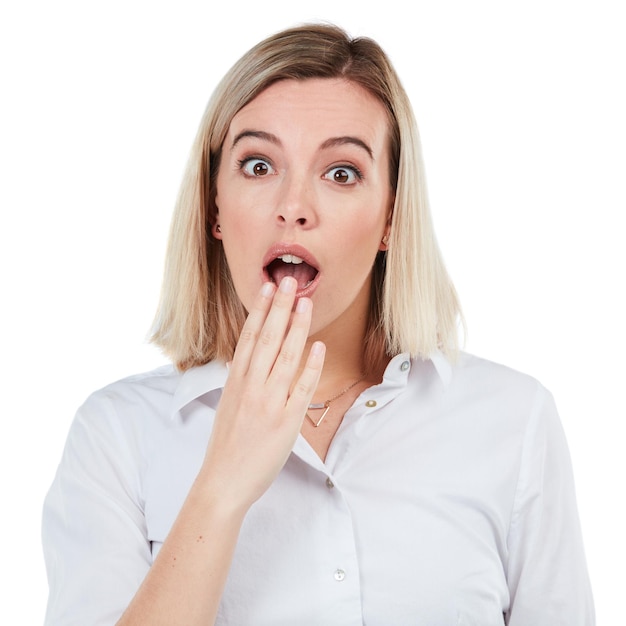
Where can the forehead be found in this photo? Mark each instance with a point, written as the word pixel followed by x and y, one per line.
pixel 315 109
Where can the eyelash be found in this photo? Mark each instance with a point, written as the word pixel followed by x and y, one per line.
pixel 241 164
pixel 350 168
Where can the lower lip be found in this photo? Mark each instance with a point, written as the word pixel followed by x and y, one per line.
pixel 307 292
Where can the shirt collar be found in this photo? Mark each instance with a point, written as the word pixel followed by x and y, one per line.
pixel 443 366
pixel 398 369
pixel 197 381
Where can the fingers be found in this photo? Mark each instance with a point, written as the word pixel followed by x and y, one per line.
pixel 302 392
pixel 273 338
pixel 287 362
pixel 251 330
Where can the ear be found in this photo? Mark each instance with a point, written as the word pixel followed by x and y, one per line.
pixel 384 242
pixel 216 230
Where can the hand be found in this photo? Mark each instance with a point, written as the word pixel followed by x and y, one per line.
pixel 264 400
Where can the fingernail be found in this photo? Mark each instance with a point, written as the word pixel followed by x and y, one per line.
pixel 303 305
pixel 288 284
pixel 317 348
pixel 267 290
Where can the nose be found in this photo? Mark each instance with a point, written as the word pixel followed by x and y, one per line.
pixel 296 204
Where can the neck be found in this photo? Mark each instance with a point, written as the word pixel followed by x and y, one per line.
pixel 344 339
pixel 344 348
pixel 344 362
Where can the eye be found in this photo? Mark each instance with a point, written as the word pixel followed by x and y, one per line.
pixel 255 167
pixel 344 175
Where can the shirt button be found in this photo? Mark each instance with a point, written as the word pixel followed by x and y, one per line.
pixel 405 366
pixel 339 575
pixel 329 483
pixel 370 404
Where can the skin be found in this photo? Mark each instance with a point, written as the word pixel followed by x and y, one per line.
pixel 285 180
pixel 307 191
pixel 287 186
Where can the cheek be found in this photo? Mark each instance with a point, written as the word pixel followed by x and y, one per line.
pixel 369 229
pixel 242 213
pixel 359 248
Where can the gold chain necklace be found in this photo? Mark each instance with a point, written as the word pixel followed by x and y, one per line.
pixel 325 406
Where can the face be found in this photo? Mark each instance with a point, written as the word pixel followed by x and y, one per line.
pixel 303 190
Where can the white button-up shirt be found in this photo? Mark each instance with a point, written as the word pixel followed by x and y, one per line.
pixel 446 499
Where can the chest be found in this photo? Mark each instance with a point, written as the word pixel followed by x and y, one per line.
pixel 374 545
pixel 320 424
pixel 405 523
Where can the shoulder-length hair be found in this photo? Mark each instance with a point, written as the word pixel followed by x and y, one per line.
pixel 413 307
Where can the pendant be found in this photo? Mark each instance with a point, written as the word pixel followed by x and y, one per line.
pixel 318 407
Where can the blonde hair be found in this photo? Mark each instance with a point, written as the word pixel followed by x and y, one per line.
pixel 413 306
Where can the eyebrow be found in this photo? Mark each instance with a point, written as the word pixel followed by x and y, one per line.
pixel 342 141
pixel 329 143
pixel 258 134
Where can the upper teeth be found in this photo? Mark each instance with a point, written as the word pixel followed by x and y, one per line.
pixel 291 258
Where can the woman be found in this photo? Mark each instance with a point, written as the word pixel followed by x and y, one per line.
pixel 320 453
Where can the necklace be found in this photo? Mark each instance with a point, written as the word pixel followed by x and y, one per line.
pixel 325 406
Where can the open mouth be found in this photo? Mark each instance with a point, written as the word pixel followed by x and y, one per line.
pixel 292 265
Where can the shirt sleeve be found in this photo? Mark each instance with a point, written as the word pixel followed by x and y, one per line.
pixel 94 534
pixel 547 571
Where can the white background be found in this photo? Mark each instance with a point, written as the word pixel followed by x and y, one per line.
pixel 521 109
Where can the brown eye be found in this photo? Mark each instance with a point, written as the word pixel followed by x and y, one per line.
pixel 341 176
pixel 344 175
pixel 256 167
